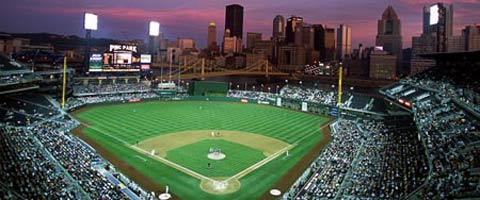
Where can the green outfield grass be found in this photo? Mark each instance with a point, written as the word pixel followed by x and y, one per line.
pixel 116 127
pixel 194 156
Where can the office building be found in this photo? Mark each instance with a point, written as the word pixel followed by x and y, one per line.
pixel 471 35
pixel 212 36
pixel 437 29
pixel 438 23
pixel 421 45
pixel 253 39
pixel 291 57
pixel 389 34
pixel 344 41
pixel 382 65
pixel 234 20
pixel 308 36
pixel 456 43
pixel 185 43
pixel 278 28
pixel 319 41
pixel 330 44
pixel 294 30
pixel 232 45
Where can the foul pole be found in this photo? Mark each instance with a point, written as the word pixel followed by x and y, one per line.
pixel 340 75
pixel 64 81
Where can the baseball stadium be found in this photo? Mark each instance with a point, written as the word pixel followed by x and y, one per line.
pixel 293 117
pixel 205 149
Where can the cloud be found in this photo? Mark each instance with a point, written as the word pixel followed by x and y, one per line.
pixel 187 18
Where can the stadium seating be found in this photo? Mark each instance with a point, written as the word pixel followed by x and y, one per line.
pixel 445 107
pixel 366 159
pixel 76 159
pixel 451 138
pixel 29 172
pixel 435 156
pixel 24 111
pixel 431 154
pixel 46 162
pixel 331 167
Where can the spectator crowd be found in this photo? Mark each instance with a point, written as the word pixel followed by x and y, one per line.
pixel 42 160
pixel 26 170
pixel 99 89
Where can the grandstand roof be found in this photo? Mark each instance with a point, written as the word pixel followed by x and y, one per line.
pixel 454 56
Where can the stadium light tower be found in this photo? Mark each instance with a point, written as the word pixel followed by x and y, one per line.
pixel 90 23
pixel 153 32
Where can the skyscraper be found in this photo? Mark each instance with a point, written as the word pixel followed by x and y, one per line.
pixel 253 39
pixel 330 44
pixel 382 65
pixel 212 36
pixel 278 27
pixel 438 23
pixel 344 41
pixel 185 43
pixel 234 20
pixel 308 35
pixel 389 34
pixel 437 29
pixel 231 44
pixel 471 34
pixel 294 27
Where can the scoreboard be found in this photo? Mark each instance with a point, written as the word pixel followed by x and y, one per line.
pixel 120 58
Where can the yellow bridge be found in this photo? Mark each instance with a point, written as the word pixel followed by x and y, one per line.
pixel 199 69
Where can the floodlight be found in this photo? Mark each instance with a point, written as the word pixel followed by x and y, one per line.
pixel 434 15
pixel 91 21
pixel 154 28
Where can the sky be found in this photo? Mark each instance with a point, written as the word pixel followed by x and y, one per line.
pixel 128 19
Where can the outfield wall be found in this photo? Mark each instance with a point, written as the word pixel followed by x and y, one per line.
pixel 310 107
pixel 208 88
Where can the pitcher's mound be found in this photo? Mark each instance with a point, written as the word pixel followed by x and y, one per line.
pixel 216 156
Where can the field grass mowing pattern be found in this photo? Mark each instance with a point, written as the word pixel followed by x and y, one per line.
pixel 137 122
pixel 194 157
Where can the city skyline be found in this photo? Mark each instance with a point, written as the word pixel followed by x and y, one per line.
pixel 128 19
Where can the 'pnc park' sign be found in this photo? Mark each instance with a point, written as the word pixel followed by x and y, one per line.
pixel 117 47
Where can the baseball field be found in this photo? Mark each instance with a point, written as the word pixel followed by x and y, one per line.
pixel 203 149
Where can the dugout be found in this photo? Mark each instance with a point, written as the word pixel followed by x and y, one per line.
pixel 208 88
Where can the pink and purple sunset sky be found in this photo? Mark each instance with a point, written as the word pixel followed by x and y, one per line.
pixel 128 19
